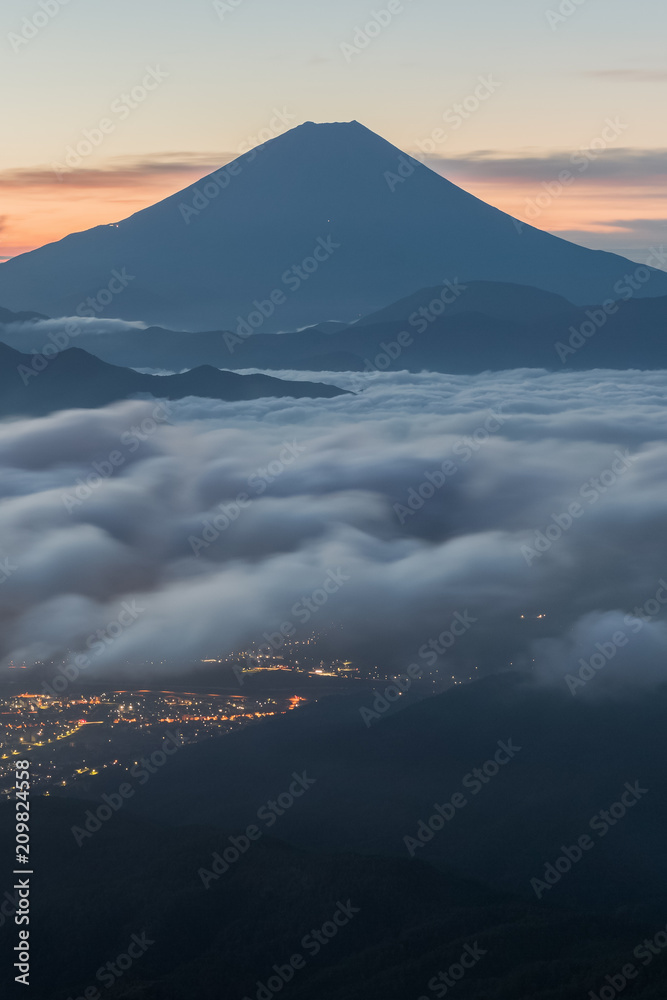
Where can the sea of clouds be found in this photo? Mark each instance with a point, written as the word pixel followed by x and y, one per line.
pixel 496 496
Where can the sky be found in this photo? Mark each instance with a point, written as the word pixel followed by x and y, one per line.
pixel 500 98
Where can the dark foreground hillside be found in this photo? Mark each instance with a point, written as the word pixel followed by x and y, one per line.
pixel 387 928
pixel 375 784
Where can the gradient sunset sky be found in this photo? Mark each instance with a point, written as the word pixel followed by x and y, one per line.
pixel 558 79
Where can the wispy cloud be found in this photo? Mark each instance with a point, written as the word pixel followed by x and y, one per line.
pixel 118 171
pixel 474 545
pixel 630 75
pixel 657 226
pixel 44 207
pixel 626 165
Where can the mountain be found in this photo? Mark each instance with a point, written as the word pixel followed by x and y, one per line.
pixel 376 782
pixel 490 326
pixel 496 300
pixel 397 924
pixel 324 222
pixel 74 379
pixel 7 316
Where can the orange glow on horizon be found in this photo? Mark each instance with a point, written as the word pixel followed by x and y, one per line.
pixel 39 213
pixel 36 214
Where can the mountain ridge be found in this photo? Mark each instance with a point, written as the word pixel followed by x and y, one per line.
pixel 244 244
pixel 491 326
pixel 75 379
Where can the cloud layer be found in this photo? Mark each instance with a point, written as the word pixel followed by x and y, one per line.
pixel 632 166
pixel 497 496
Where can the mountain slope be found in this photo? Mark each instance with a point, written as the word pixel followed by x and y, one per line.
pixel 503 301
pixel 331 219
pixel 399 925
pixel 375 784
pixel 7 316
pixel 74 379
pixel 491 326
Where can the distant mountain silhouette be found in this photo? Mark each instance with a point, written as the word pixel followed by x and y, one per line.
pixel 490 326
pixel 74 379
pixel 7 316
pixel 330 218
pixel 496 300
